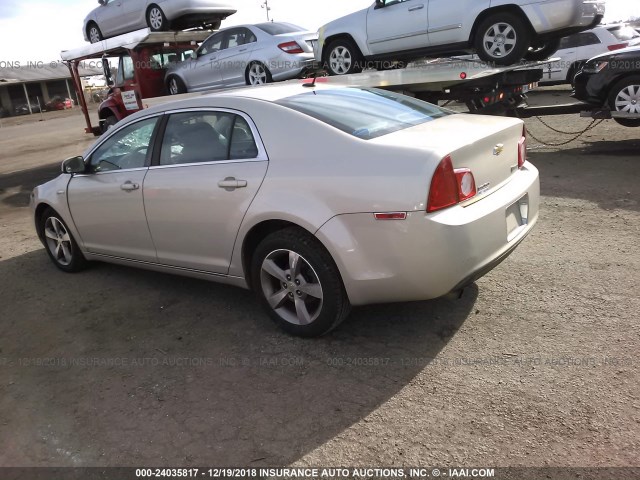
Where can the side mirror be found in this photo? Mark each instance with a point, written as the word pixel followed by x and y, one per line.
pixel 102 2
pixel 106 68
pixel 74 165
pixel 380 4
pixel 194 55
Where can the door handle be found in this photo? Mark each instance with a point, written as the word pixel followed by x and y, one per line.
pixel 243 49
pixel 417 7
pixel 231 183
pixel 129 186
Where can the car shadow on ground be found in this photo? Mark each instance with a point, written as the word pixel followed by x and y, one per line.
pixel 602 172
pixel 186 372
pixel 15 188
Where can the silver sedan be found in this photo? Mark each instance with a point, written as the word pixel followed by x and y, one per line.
pixel 245 55
pixel 116 17
pixel 316 197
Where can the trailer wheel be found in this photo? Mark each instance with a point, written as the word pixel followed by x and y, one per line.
pixel 625 97
pixel 93 33
pixel 176 86
pixel 502 38
pixel 539 52
pixel 156 20
pixel 342 57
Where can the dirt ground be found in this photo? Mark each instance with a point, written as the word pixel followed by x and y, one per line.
pixel 536 365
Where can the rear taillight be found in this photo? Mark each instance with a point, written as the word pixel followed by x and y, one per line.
pixel 291 47
pixel 617 46
pixel 522 148
pixel 450 187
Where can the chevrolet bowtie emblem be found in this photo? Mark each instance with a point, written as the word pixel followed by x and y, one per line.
pixel 498 149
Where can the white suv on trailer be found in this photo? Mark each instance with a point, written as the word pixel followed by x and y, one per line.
pixel 500 31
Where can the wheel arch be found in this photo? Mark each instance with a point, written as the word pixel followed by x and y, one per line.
pixel 337 36
pixel 39 211
pixel 513 9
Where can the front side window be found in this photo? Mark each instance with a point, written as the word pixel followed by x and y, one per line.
pixel 201 137
pixel 362 112
pixel 126 149
pixel 212 44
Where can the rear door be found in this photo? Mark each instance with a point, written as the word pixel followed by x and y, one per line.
pixel 451 21
pixel 399 25
pixel 209 169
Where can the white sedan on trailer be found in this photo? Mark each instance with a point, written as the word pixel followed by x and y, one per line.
pixel 316 197
pixel 116 17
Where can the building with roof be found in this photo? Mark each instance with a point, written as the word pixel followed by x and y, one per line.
pixel 27 87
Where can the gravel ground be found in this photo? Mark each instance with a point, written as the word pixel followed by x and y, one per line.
pixel 536 365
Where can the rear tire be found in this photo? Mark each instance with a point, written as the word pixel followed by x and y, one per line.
pixel 342 57
pixel 60 244
pixel 625 97
pixel 538 53
pixel 502 38
pixel 156 20
pixel 258 74
pixel 298 283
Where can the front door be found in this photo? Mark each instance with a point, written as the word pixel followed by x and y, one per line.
pixel 204 70
pixel 209 170
pixel 399 25
pixel 106 203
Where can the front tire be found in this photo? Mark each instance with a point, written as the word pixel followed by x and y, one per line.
pixel 540 52
pixel 156 20
pixel 502 38
pixel 175 86
pixel 343 58
pixel 298 283
pixel 625 97
pixel 258 74
pixel 93 33
pixel 60 244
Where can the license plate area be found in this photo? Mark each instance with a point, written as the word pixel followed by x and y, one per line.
pixel 517 217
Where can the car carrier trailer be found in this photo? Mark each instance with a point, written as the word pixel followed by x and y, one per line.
pixel 143 57
pixel 140 82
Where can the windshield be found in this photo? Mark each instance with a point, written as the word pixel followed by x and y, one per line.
pixel 624 33
pixel 275 28
pixel 364 113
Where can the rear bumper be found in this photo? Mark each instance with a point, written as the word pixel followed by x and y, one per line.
pixel 195 8
pixel 286 67
pixel 429 255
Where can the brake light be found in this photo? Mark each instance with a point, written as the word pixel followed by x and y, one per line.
pixel 522 148
pixel 450 187
pixel 617 46
pixel 291 47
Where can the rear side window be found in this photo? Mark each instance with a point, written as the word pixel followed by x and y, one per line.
pixel 201 137
pixel 624 34
pixel 364 113
pixel 276 28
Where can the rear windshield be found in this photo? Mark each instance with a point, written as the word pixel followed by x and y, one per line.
pixel 275 28
pixel 624 33
pixel 362 112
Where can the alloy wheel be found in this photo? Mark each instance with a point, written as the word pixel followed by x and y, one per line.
pixel 58 241
pixel 340 60
pixel 155 18
pixel 94 35
pixel 499 40
pixel 292 287
pixel 257 74
pixel 628 99
pixel 173 87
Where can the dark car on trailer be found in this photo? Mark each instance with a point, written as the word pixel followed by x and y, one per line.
pixel 612 81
